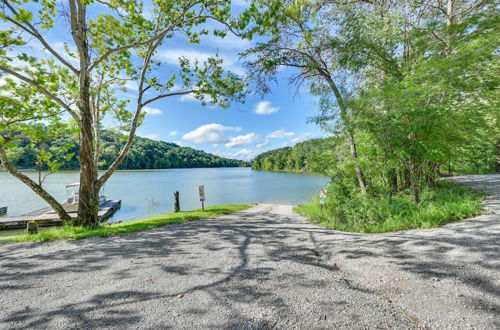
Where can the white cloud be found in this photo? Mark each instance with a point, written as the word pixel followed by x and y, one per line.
pixel 188 98
pixel 280 134
pixel 191 98
pixel 221 153
pixel 181 143
pixel 152 111
pixel 244 154
pixel 230 41
pixel 171 56
pixel 150 136
pixel 265 108
pixel 302 138
pixel 173 133
pixel 286 144
pixel 241 3
pixel 242 140
pixel 210 133
pixel 131 85
pixel 262 144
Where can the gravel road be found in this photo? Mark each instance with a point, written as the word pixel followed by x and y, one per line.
pixel 264 268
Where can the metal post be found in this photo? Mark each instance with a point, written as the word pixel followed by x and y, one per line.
pixel 177 204
pixel 322 197
pixel 201 190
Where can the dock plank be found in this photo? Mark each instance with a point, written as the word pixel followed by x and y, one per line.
pixel 47 217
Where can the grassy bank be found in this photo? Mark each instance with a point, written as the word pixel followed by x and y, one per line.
pixel 75 233
pixel 446 202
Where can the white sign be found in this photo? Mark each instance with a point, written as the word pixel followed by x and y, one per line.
pixel 201 190
pixel 322 193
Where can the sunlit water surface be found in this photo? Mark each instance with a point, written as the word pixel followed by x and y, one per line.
pixel 150 192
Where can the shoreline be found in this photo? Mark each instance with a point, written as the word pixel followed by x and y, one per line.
pixel 124 170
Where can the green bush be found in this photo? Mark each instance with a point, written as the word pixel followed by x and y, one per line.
pixel 348 210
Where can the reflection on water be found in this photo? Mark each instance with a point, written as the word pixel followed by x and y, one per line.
pixel 150 192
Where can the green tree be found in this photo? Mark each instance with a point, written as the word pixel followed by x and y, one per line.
pixel 430 86
pixel 299 38
pixel 104 50
pixel 417 80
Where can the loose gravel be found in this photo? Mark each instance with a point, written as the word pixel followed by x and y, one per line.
pixel 263 268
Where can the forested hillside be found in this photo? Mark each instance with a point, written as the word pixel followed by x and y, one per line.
pixel 319 155
pixel 303 157
pixel 144 154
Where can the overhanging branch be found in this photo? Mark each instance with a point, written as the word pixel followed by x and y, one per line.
pixel 29 28
pixel 167 95
pixel 41 89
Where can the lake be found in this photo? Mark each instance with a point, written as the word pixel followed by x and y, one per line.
pixel 150 192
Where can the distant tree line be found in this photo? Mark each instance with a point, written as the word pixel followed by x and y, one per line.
pixel 303 157
pixel 318 155
pixel 144 154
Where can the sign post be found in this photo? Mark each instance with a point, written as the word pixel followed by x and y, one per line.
pixel 201 190
pixel 322 197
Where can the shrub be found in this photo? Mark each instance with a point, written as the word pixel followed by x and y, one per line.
pixel 348 210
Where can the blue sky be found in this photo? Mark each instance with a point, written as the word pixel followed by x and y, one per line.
pixel 241 131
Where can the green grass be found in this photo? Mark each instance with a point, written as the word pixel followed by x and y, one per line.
pixel 444 203
pixel 11 232
pixel 75 233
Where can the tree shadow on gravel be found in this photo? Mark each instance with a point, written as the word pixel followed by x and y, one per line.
pixel 225 263
pixel 80 314
pixel 466 252
pixel 182 258
pixel 173 251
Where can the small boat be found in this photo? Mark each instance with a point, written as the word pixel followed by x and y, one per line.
pixel 3 210
pixel 73 196
pixel 48 217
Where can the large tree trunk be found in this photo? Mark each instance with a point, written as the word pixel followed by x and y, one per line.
pixel 89 193
pixel 37 188
pixel 88 205
pixel 415 192
pixel 404 182
pixel 345 119
pixel 414 184
pixel 393 182
pixel 359 172
pixel 449 21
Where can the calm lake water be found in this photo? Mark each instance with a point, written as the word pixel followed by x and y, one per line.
pixel 150 192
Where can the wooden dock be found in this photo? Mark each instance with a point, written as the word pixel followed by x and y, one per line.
pixel 48 217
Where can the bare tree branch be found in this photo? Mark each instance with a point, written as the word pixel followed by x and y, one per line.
pixel 163 33
pixel 135 120
pixel 34 32
pixel 32 118
pixel 34 186
pixel 167 95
